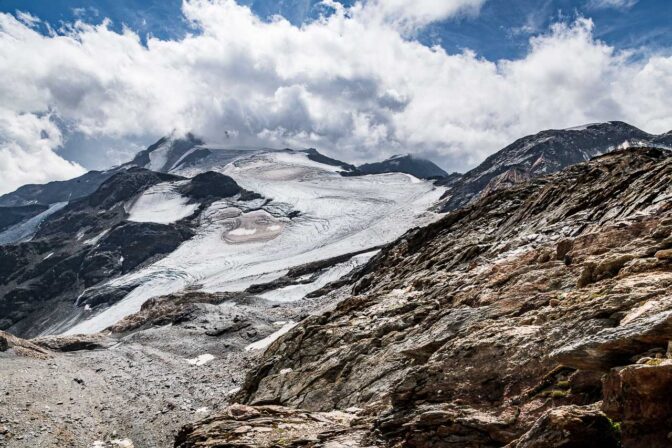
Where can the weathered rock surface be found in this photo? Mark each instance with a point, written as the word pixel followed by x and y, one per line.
pixel 74 343
pixel 570 426
pixel 20 347
pixel 466 332
pixel 638 397
pixel 274 426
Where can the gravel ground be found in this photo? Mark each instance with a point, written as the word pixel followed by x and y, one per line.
pixel 140 391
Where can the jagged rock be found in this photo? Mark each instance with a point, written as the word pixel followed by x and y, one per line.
pixel 21 347
pixel 170 309
pixel 273 426
pixel 570 427
pixel 447 425
pixel 614 346
pixel 638 397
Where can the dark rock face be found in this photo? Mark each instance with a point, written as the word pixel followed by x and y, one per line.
pixel 544 153
pixel 59 191
pixel 409 164
pixel 215 185
pixel 453 334
pixel 136 241
pixel 10 216
pixel 315 156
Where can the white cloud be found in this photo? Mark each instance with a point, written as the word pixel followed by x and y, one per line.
pixel 351 84
pixel 618 4
pixel 26 154
pixel 408 15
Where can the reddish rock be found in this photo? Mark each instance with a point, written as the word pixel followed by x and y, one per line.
pixel 638 397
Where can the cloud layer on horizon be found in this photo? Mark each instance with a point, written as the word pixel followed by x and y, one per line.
pixel 353 83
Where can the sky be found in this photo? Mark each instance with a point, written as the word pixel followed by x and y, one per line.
pixel 85 85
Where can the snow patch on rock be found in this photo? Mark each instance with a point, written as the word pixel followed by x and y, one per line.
pixel 161 204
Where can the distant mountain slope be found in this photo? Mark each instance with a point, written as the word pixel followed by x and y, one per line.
pixel 406 163
pixel 544 153
pixel 57 191
pixel 134 217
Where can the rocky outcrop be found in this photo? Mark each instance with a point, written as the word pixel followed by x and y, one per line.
pixel 171 309
pixel 74 343
pixel 468 331
pixel 274 426
pixel 215 185
pixel 20 347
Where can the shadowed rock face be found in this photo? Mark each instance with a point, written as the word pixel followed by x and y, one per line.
pixel 465 332
pixel 215 185
pixel 10 216
pixel 571 427
pixel 58 191
pixel 409 164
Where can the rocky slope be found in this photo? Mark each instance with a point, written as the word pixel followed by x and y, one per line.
pixel 537 316
pixel 545 153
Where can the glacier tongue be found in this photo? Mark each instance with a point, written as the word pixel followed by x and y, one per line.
pixel 312 214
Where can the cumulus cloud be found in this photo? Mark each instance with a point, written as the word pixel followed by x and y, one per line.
pixel 353 83
pixel 26 155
